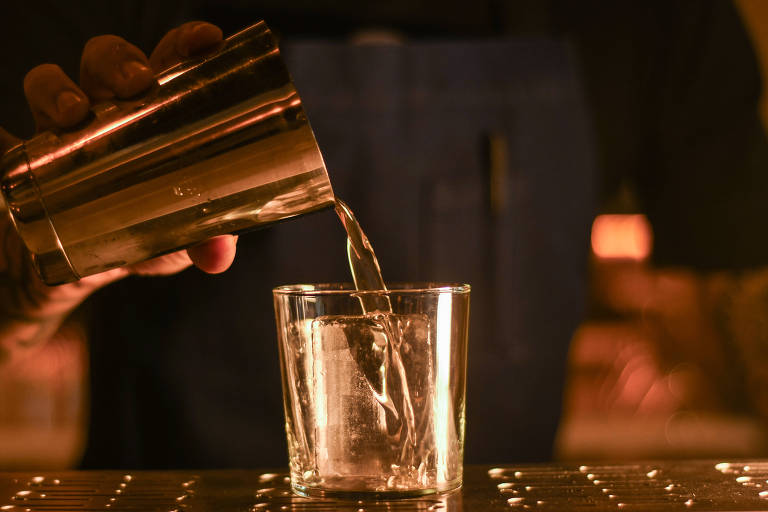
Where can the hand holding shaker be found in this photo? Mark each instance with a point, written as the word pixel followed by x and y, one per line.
pixel 220 145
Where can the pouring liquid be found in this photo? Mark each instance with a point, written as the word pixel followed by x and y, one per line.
pixel 394 396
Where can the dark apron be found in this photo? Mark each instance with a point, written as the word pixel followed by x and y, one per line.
pixel 470 162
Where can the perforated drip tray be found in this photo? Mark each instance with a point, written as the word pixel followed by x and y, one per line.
pixel 699 485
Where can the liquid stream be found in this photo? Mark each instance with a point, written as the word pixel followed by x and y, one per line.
pixel 388 382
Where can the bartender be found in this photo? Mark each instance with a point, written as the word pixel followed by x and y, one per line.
pixel 471 139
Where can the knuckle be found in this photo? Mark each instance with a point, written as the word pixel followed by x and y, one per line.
pixel 103 47
pixel 40 74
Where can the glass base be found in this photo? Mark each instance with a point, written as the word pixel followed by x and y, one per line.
pixel 371 495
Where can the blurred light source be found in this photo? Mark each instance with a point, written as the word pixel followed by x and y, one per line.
pixel 622 236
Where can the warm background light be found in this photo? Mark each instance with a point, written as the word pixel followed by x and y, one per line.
pixel 621 236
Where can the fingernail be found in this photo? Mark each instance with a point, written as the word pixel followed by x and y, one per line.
pixel 132 68
pixel 67 100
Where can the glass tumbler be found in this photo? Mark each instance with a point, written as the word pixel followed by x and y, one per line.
pixel 374 402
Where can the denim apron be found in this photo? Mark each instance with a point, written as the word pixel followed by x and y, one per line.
pixel 466 161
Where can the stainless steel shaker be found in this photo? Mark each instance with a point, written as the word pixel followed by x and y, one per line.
pixel 220 145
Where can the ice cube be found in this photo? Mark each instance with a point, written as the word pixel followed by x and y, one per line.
pixel 351 425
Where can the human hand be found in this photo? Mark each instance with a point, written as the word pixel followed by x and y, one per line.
pixel 110 68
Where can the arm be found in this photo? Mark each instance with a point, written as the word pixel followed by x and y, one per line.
pixel 30 311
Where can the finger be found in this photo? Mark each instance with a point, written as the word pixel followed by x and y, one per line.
pixel 189 39
pixel 215 255
pixel 112 67
pixel 162 265
pixel 54 98
pixel 7 141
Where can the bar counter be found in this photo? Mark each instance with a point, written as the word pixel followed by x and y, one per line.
pixel 642 486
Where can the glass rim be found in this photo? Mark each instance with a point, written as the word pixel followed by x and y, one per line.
pixel 313 289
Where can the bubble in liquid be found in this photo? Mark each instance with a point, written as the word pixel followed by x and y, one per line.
pixel 689 502
pixel 515 501
pixel 36 480
pixel 652 473
pixel 763 494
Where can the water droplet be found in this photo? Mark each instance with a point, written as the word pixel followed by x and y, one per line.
pixel 763 494
pixel 747 468
pixel 723 467
pixel 611 496
pixel 361 510
pixel 42 495
pixel 669 487
pixel 7 507
pixel 267 477
pixel 505 485
pixel 743 479
pixel 122 485
pixel 620 505
pixel 37 480
pixel 23 494
pixel 590 476
pixel 515 501
pixel 496 473
pixel 518 474
pixel 652 473
pixel 127 478
pixel 583 469
pixel 56 481
pixel 689 502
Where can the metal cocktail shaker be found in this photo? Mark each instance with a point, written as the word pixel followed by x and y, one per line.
pixel 221 145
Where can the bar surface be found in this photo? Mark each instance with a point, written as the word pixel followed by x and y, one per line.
pixel 642 486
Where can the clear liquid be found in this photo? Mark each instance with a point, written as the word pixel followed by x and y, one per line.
pixel 381 361
pixel 363 264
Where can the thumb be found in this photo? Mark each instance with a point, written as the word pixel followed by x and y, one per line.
pixel 7 141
